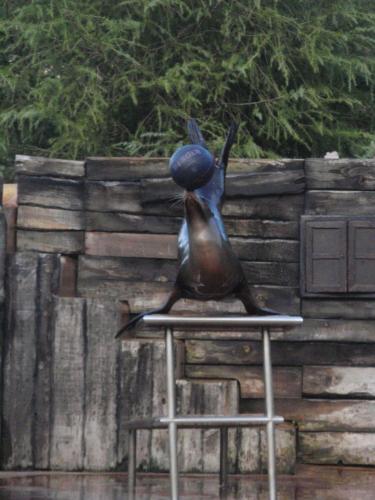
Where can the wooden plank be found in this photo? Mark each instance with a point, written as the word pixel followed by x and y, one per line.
pixel 50 167
pixel 131 245
pixel 125 169
pixel 46 286
pixel 340 202
pixel 332 330
pixel 67 276
pixel 10 214
pixel 113 196
pixel 348 448
pixel 19 355
pixel 102 271
pixel 133 168
pixel 27 353
pixel 285 447
pixel 321 414
pixel 259 228
pixel 277 207
pixel 287 181
pixel 30 217
pixel 272 273
pixel 67 447
pixel 50 192
pixel 101 354
pixel 351 174
pixel 3 251
pixel 69 242
pixel 132 223
pixel 266 249
pixel 338 309
pixel 135 396
pixel 239 352
pixel 339 381
pixel 287 380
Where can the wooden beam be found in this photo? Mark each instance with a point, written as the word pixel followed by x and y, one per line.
pixel 325 202
pixel 30 217
pixel 49 167
pixel 349 174
pixel 347 448
pixel 67 451
pixel 239 352
pixel 338 308
pixel 68 242
pixel 50 192
pixel 287 380
pixel 339 381
pixel 277 207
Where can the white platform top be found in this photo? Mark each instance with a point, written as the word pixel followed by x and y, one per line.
pixel 217 321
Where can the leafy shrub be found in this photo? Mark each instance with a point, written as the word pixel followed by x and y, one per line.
pixel 87 77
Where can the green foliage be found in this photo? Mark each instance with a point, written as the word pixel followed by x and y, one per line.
pixel 87 77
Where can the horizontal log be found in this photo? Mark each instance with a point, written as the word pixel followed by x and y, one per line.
pixel 30 217
pixel 50 167
pixel 339 381
pixel 131 245
pixel 338 309
pixel 351 174
pixel 321 414
pixel 277 207
pixel 132 223
pixel 240 352
pixel 125 169
pixel 348 448
pixel 333 330
pixel 132 168
pixel 340 202
pixel 272 273
pixel 144 296
pixel 266 249
pixel 69 242
pixel 103 271
pixel 50 192
pixel 237 185
pixel 258 228
pixel 287 380
pixel 113 196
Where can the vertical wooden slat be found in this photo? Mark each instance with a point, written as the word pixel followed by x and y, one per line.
pixel 68 384
pixel 19 363
pixel 100 426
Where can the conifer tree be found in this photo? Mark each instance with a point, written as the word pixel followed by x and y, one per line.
pixel 87 77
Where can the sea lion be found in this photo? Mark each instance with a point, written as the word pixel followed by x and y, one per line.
pixel 208 267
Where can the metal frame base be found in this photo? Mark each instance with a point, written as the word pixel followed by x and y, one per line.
pixel 172 422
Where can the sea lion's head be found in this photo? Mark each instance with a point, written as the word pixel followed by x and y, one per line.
pixel 197 211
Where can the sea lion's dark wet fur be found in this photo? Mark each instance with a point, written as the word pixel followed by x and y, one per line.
pixel 208 267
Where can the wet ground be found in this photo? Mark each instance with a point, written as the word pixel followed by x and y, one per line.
pixel 309 483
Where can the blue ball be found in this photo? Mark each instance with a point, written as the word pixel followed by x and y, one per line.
pixel 192 166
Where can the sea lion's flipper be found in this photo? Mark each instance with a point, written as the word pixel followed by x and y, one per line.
pixel 229 141
pixel 195 134
pixel 164 309
pixel 245 296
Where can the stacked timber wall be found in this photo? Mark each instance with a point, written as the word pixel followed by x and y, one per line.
pixel 95 239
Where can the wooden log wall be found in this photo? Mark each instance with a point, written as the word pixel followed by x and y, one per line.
pixel 96 239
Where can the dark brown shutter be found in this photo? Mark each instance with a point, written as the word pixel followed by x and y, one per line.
pixel 361 256
pixel 326 255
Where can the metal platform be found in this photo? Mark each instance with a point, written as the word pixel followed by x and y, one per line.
pixel 172 422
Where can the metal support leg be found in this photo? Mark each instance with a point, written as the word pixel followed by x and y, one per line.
pixel 132 462
pixel 172 427
pixel 270 413
pixel 223 460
